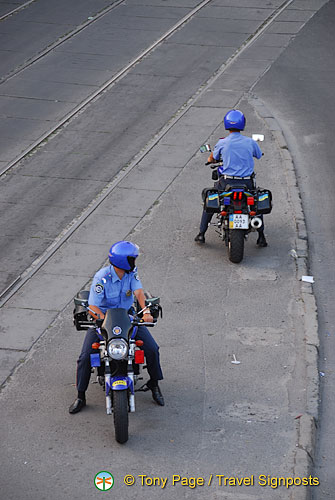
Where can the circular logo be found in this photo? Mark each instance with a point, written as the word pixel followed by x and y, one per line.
pixel 104 481
pixel 117 330
pixel 99 288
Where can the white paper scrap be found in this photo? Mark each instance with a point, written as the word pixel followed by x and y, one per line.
pixel 307 279
pixel 235 362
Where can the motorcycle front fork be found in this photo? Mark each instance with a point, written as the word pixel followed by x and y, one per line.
pixel 130 372
pixel 109 404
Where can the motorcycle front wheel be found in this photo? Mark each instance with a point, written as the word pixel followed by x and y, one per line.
pixel 120 411
pixel 236 245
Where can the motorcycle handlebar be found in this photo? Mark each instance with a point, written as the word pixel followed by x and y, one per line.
pixel 98 321
pixel 144 323
pixel 213 164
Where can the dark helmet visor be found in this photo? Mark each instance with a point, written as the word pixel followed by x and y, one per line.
pixel 131 262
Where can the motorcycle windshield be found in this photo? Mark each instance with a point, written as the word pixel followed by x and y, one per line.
pixel 116 323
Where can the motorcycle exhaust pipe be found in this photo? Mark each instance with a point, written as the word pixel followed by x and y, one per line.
pixel 256 223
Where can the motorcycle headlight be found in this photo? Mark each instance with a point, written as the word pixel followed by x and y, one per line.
pixel 117 348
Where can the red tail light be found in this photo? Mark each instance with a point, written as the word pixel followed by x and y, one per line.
pixel 252 213
pixel 96 345
pixel 139 357
pixel 223 213
pixel 250 200
pixel 237 211
pixel 234 196
pixel 240 195
pixel 139 343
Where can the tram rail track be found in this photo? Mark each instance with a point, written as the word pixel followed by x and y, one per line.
pixel 19 281
pixel 102 87
pixel 59 42
pixel 17 9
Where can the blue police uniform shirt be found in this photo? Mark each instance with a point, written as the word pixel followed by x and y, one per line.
pixel 108 291
pixel 237 153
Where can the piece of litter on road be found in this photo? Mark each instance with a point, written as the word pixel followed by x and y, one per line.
pixel 307 279
pixel 322 374
pixel 298 416
pixel 90 18
pixel 293 253
pixel 235 362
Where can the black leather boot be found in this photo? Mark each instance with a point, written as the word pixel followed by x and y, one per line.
pixel 200 238
pixel 77 405
pixel 261 241
pixel 157 396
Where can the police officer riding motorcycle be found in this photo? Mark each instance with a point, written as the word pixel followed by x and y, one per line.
pixel 115 286
pixel 237 153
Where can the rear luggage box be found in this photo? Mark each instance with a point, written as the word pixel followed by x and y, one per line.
pixel 264 201
pixel 81 319
pixel 212 201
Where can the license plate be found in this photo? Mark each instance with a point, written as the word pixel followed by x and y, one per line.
pixel 238 221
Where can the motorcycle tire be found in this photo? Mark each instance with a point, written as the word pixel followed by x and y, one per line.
pixel 120 411
pixel 236 245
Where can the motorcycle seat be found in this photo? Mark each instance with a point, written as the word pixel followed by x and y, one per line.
pixel 228 187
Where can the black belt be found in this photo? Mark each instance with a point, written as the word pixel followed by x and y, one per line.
pixel 234 177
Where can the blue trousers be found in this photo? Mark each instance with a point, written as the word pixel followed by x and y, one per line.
pixel 221 184
pixel 151 352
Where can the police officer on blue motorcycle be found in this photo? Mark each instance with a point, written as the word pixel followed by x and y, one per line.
pixel 115 286
pixel 237 153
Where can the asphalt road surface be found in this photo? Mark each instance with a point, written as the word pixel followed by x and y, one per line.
pixel 219 418
pixel 44 193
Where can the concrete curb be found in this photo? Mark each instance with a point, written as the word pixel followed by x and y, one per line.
pixel 306 424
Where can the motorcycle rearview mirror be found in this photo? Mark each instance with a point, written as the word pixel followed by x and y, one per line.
pixel 205 148
pixel 258 137
pixel 152 301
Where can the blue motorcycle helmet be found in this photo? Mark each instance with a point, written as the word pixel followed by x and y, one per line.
pixel 123 255
pixel 234 119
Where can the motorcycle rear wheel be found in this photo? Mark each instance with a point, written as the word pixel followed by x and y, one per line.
pixel 120 411
pixel 236 245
